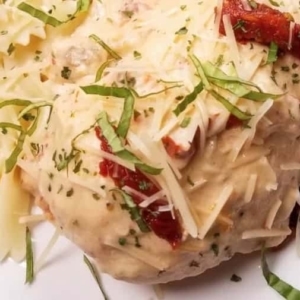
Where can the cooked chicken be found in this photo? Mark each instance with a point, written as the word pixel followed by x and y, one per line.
pixel 261 187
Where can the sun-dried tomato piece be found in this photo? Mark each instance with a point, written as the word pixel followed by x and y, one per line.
pixel 262 24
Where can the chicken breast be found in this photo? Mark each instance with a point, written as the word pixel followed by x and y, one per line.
pixel 237 204
pixel 164 143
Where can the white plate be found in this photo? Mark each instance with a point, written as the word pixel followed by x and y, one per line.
pixel 66 277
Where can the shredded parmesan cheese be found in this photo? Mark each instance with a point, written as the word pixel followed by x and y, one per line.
pixel 149 200
pixel 271 187
pixel 218 17
pixel 257 117
pixel 170 162
pixel 134 192
pixel 264 233
pixel 165 208
pixel 272 214
pixel 41 260
pixel 234 49
pixel 82 145
pixel 116 160
pixel 246 5
pixel 250 188
pixel 221 201
pixel 248 134
pixel 290 166
pixel 292 26
pixel 32 219
pixel 196 186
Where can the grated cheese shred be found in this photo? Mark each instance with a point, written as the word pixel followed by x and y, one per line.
pixel 264 233
pixel 220 202
pixel 41 260
pixel 32 219
pixel 250 188
pixel 272 214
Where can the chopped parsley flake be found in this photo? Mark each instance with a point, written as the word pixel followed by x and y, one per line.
pixel 190 181
pixel 137 242
pixel 136 114
pixel 132 232
pixel 274 3
pixel 28 117
pixel 285 68
pixel 122 241
pixel 65 72
pixel 273 76
pixel 240 25
pixel 96 196
pixel 294 66
pixel 215 248
pixel 178 98
pixel 85 170
pixel 182 31
pixel 128 13
pixel 62 160
pixel 220 60
pixel 194 263
pixel 216 235
pixel 235 278
pixel 11 49
pixel 70 192
pixel 60 189
pixel 77 166
pixel 143 185
pixel 137 54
